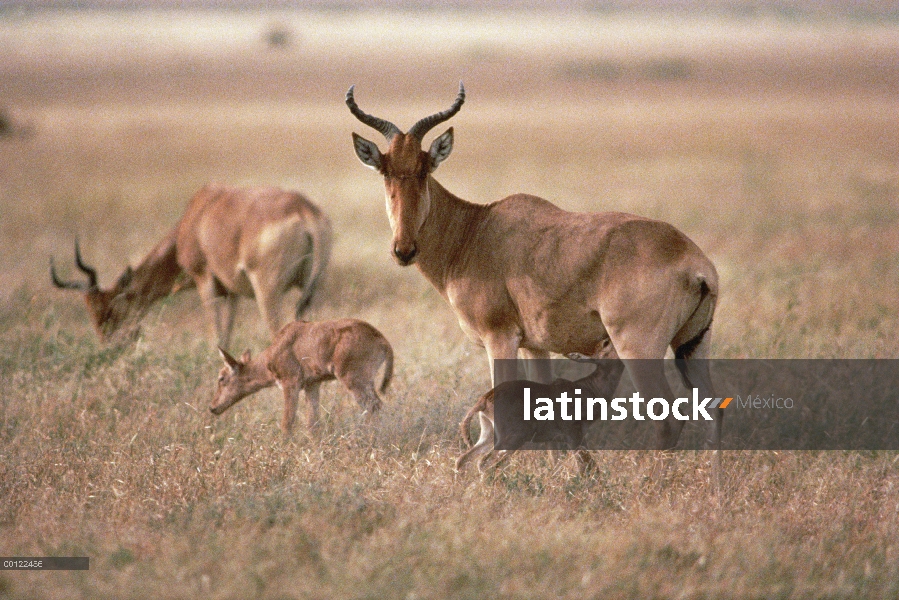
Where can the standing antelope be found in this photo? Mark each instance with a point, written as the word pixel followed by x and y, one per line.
pixel 301 357
pixel 524 274
pixel 255 242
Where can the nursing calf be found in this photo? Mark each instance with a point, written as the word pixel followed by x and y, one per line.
pixel 515 434
pixel 301 357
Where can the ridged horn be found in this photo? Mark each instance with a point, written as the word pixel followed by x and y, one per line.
pixel 65 285
pixel 387 129
pixel 91 273
pixel 423 126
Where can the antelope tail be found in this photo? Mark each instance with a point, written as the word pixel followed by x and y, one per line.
pixel 388 370
pixel 465 425
pixel 705 308
pixel 321 254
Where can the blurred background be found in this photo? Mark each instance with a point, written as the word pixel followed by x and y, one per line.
pixel 767 131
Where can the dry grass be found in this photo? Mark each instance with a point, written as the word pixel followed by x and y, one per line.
pixel 772 145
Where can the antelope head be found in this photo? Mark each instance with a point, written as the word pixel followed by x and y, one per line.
pixel 405 167
pixel 108 309
pixel 236 381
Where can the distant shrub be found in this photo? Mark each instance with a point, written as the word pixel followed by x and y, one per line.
pixel 603 70
pixel 668 69
pixel 279 37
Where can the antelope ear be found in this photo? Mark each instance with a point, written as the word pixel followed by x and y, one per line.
pixel 367 152
pixel 245 357
pixel 441 148
pixel 231 362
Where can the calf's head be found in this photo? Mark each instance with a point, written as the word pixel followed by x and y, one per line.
pixel 236 381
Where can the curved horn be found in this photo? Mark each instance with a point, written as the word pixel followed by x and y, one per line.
pixel 387 129
pixel 91 273
pixel 65 285
pixel 425 125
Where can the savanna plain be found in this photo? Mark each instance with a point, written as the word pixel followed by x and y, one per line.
pixel 772 142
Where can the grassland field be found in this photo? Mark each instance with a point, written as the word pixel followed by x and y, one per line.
pixel 774 144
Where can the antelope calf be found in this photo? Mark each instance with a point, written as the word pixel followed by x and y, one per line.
pixel 600 383
pixel 255 242
pixel 301 357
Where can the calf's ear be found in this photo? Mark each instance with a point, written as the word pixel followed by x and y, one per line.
pixel 231 362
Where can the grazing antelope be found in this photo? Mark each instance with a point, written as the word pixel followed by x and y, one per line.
pixel 301 357
pixel 255 242
pixel 523 274
pixel 601 383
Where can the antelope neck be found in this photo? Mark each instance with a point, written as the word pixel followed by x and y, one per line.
pixel 446 234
